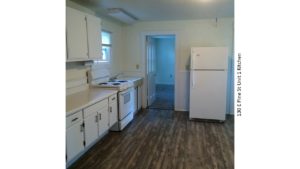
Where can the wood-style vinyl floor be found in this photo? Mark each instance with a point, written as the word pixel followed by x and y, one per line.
pixel 164 139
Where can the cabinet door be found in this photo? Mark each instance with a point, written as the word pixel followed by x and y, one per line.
pixel 139 98
pixel 74 140
pixel 103 121
pixel 91 128
pixel 94 37
pixel 135 100
pixel 76 35
pixel 113 110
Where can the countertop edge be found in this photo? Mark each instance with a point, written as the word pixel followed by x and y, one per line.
pixel 73 111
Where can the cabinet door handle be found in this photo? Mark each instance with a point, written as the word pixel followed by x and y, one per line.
pixel 96 118
pixel 110 109
pixel 75 119
pixel 113 98
pixel 99 116
pixel 82 127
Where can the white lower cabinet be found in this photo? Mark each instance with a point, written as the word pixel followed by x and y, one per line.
pixel 139 98
pixel 95 121
pixel 135 110
pixel 103 123
pixel 88 125
pixel 74 135
pixel 113 109
pixel 91 128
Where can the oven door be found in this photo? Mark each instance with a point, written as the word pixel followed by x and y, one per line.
pixel 126 102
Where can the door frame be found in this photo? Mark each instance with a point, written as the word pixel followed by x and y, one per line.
pixel 149 46
pixel 143 36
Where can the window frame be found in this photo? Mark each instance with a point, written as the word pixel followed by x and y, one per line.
pixel 106 45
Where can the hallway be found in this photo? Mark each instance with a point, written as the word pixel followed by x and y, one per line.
pixel 164 97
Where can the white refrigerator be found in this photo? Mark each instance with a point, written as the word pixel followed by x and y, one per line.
pixel 208 83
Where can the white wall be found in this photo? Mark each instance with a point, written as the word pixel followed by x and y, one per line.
pixel 165 60
pixel 190 33
pixel 117 59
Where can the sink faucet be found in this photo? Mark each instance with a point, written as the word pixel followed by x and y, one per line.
pixel 115 76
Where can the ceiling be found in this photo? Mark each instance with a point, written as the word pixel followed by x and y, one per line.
pixel 158 10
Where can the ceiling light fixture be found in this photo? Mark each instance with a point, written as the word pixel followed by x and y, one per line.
pixel 122 15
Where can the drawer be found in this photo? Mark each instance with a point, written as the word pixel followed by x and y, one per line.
pixel 73 119
pixel 95 107
pixel 113 98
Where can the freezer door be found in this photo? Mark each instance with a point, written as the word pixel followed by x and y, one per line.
pixel 208 94
pixel 209 58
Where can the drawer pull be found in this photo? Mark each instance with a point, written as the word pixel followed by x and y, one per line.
pixel 75 119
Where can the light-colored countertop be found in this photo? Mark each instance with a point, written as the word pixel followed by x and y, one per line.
pixel 85 98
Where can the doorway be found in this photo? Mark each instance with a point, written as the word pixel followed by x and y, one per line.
pixel 160 52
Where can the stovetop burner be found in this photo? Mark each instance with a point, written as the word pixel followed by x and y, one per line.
pixel 117 84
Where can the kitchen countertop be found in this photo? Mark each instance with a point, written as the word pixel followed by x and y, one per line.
pixel 80 100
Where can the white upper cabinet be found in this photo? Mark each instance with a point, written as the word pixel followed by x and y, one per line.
pixel 83 36
pixel 94 36
pixel 76 35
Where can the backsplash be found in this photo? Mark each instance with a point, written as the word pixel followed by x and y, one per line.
pixel 76 77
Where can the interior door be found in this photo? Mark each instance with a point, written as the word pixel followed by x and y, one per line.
pixel 151 70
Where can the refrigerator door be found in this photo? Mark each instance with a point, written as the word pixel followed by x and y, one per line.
pixel 209 58
pixel 208 94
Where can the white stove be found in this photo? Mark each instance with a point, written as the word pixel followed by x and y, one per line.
pixel 100 78
pixel 116 84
